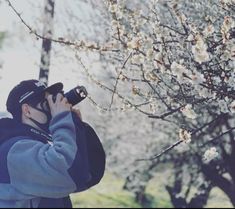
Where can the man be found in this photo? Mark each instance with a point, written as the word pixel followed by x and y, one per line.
pixel 46 151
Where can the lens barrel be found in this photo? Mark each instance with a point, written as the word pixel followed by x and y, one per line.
pixel 76 95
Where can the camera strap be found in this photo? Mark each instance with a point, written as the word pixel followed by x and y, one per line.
pixel 43 126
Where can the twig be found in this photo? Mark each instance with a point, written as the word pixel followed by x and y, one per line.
pixel 214 139
pixel 174 110
pixel 156 92
pixel 163 152
pixel 192 133
pixel 179 142
pixel 118 78
pixel 125 101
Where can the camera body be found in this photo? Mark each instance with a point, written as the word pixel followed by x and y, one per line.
pixel 75 95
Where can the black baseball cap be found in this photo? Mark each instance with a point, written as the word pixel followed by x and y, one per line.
pixel 27 91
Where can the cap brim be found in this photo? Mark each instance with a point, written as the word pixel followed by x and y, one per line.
pixel 55 88
pixel 38 96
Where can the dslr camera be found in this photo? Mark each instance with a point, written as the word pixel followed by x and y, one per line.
pixel 75 96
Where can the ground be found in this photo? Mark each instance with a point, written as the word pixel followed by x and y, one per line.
pixel 109 194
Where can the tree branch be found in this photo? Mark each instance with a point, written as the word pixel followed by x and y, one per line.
pixel 78 45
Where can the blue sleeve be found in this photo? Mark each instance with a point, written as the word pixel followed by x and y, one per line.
pixel 45 170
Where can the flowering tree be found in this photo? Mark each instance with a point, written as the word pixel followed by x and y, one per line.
pixel 173 62
pixel 182 70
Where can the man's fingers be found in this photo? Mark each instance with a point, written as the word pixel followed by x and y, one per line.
pixel 65 100
pixel 50 100
pixel 60 105
pixel 59 97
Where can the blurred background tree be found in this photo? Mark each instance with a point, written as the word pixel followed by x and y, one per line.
pixel 2 35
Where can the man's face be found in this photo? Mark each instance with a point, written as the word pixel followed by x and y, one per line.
pixel 36 112
pixel 38 115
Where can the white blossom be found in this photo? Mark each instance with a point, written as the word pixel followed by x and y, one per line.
pixel 115 24
pixel 137 59
pixel 185 136
pixel 189 112
pixel 200 50
pixel 135 43
pixel 232 107
pixel 135 90
pixel 113 8
pixel 190 37
pixel 153 108
pixel 226 27
pixel 183 18
pixel 197 78
pixel 150 54
pixel 205 93
pixel 152 77
pixel 159 59
pixel 229 52
pixel 178 70
pixel 233 52
pixel 210 154
pixel 209 30
pixel 223 106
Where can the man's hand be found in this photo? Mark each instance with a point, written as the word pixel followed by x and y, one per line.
pixel 60 105
pixel 78 113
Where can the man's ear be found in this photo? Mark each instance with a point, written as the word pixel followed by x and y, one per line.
pixel 26 110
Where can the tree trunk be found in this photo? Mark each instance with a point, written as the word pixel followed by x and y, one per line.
pixel 200 199
pixel 142 199
pixel 218 180
pixel 177 201
pixel 143 176
pixel 46 44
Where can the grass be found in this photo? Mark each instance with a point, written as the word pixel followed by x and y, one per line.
pixel 109 194
pixel 218 200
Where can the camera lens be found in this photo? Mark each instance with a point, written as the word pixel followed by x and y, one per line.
pixel 76 95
